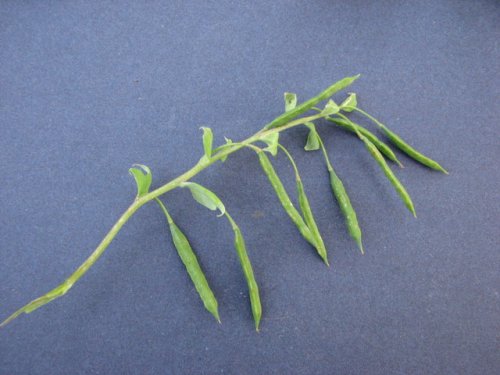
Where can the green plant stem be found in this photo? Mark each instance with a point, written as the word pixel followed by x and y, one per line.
pixel 325 155
pixel 202 164
pixel 63 288
pixel 367 115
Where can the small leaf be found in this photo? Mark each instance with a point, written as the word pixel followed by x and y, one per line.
pixel 290 101
pixel 205 197
pixel 350 103
pixel 272 143
pixel 208 138
pixel 143 178
pixel 228 142
pixel 312 138
pixel 330 108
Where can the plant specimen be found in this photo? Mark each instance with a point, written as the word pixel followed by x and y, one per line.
pixel 265 141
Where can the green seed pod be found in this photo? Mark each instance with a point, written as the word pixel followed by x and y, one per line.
pixel 307 105
pixel 389 174
pixel 410 151
pixel 193 268
pixel 190 261
pixel 284 198
pixel 353 127
pixel 346 208
pixel 310 222
pixel 253 288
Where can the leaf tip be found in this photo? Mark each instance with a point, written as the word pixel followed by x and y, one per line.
pixel 360 245
pixel 143 178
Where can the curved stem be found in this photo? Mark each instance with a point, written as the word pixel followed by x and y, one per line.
pixel 164 209
pixel 202 164
pixel 367 115
pixel 325 154
pixel 80 271
pixel 296 170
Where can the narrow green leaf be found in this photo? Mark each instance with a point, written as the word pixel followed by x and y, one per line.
pixel 350 103
pixel 330 108
pixel 312 138
pixel 205 197
pixel 143 178
pixel 272 143
pixel 228 142
pixel 208 138
pixel 290 101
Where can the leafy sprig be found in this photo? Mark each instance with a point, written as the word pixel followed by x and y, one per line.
pixel 303 219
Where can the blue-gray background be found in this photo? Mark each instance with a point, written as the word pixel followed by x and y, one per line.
pixel 88 88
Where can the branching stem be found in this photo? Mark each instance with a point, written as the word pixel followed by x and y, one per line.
pixel 202 164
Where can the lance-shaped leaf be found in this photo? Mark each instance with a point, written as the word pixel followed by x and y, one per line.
pixel 272 143
pixel 350 103
pixel 312 138
pixel 143 178
pixel 290 101
pixel 228 142
pixel 208 139
pixel 330 108
pixel 205 197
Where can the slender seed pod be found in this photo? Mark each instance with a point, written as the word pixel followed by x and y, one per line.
pixel 311 223
pixel 305 207
pixel 410 151
pixel 284 198
pixel 291 114
pixel 389 174
pixel 345 205
pixel 193 268
pixel 352 126
pixel 340 193
pixel 402 145
pixel 253 288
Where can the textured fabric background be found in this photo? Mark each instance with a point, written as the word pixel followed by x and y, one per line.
pixel 89 87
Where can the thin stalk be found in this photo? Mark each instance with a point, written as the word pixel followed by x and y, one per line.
pixel 325 154
pixel 367 115
pixel 63 288
pixel 295 169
